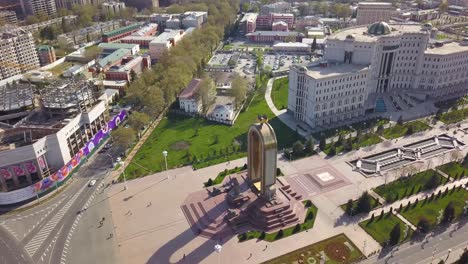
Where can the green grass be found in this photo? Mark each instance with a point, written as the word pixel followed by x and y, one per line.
pixel 312 253
pixel 279 93
pixel 270 237
pixel 206 142
pixel 430 209
pixel 454 169
pixel 364 141
pixel 454 116
pixel 403 186
pixel 380 229
pixel 402 130
pixel 374 204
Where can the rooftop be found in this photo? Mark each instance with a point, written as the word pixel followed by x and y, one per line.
pixel 291 44
pixel 360 32
pixel 117 46
pixel 275 33
pixel 249 17
pixel 446 49
pixel 374 4
pixel 165 36
pixel 15 96
pixel 145 29
pixel 121 30
pixel 332 70
pixel 191 89
pixel 113 57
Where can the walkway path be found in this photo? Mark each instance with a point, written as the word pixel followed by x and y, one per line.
pixel 283 115
pixel 116 173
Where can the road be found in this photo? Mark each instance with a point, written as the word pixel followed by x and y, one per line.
pixel 59 230
pixel 430 250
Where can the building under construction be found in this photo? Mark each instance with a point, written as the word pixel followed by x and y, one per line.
pixel 52 125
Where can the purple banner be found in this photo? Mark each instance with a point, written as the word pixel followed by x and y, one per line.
pixel 66 170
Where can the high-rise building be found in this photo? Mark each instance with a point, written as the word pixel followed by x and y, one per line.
pixel 8 17
pixel 374 69
pixel 17 52
pixel 46 54
pixel 34 7
pixel 142 4
pixel 370 12
pixel 113 7
pixel 68 4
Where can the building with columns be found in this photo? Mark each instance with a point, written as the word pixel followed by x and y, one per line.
pixel 362 66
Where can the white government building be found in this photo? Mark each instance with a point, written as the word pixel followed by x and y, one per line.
pixel 363 64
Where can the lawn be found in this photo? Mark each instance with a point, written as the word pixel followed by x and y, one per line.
pixel 270 237
pixel 374 204
pixel 402 130
pixel 454 169
pixel 204 143
pixel 431 209
pixel 380 229
pixel 279 93
pixel 338 249
pixel 454 116
pixel 406 186
pixel 364 141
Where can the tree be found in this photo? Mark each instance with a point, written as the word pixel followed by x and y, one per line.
pixel 49 33
pixel 395 234
pixel 322 143
pixel 424 225
pixel 380 129
pixel 209 182
pixel 298 148
pixel 310 145
pixel 133 75
pixel 464 257
pixel 137 120
pixel 92 53
pixel 349 207
pixel 400 121
pixel 410 130
pixel 297 228
pixel 449 213
pixel 314 44
pixel 364 203
pixel 433 182
pixel 279 234
pixel 443 6
pixel 245 7
pixel 206 93
pixel 123 137
pixel 239 89
pixel 332 151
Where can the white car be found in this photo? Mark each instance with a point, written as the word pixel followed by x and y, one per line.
pixel 91 183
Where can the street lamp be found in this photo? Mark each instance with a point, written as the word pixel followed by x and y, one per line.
pixel 123 172
pixel 165 161
pixel 218 248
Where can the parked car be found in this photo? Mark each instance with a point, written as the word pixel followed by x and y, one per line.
pixel 91 183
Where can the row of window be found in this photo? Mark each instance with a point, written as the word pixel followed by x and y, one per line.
pixel 346 79
pixel 346 101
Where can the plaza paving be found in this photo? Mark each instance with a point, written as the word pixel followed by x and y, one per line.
pixel 150 226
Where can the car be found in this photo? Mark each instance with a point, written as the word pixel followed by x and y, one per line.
pixel 91 183
pixel 118 159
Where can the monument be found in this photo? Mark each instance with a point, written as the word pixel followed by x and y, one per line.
pixel 261 163
pixel 254 199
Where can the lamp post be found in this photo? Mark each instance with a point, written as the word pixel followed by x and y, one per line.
pixel 123 172
pixel 218 248
pixel 165 161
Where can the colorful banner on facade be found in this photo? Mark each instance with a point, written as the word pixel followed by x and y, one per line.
pixel 66 170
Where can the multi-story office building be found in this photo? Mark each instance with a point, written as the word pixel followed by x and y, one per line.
pixel 8 17
pixel 68 4
pixel 193 19
pixel 34 7
pixel 370 12
pixel 164 42
pixel 113 7
pixel 363 66
pixel 17 52
pixel 248 23
pixel 266 21
pixel 46 54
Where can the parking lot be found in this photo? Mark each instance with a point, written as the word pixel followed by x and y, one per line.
pixel 280 62
pixel 220 59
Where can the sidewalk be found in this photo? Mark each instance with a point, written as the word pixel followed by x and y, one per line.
pixel 116 173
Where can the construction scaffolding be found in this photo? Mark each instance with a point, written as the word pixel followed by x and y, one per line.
pixel 16 96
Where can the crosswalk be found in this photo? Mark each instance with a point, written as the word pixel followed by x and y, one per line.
pixel 33 245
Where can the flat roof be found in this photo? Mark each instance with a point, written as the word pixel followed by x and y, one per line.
pixel 117 46
pixel 291 44
pixel 333 70
pixel 121 30
pixel 447 49
pixel 165 36
pixel 360 32
pixel 114 56
pixel 275 33
pixel 374 4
